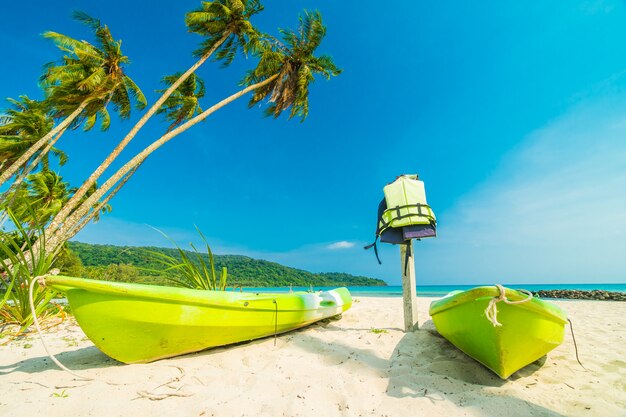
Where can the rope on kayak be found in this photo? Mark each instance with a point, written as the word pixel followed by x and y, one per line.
pixel 492 312
pixel 275 321
pixel 42 282
pixel 571 327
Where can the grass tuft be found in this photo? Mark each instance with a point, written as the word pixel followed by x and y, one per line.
pixel 191 271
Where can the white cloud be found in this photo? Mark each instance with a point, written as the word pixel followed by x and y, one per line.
pixel 340 245
pixel 554 211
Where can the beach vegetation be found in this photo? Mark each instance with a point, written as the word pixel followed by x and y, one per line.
pixel 70 341
pixel 60 394
pixel 191 270
pixel 19 266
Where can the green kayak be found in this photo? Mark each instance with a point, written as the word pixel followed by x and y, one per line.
pixel 518 335
pixel 135 323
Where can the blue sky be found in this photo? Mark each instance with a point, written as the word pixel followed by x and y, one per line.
pixel 513 113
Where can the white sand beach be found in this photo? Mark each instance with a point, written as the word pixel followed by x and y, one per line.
pixel 336 368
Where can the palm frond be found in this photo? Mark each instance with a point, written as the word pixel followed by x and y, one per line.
pixel 92 74
pixel 294 65
pixel 224 19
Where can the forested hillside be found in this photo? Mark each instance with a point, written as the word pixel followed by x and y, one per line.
pixel 124 263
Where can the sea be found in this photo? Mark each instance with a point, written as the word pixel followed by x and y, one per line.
pixel 439 290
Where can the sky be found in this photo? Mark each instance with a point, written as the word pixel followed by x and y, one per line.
pixel 513 113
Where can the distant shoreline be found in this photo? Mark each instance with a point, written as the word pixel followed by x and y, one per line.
pixel 560 291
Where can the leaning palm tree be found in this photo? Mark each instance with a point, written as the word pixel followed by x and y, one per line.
pixel 282 77
pixel 81 87
pixel 101 207
pixel 226 28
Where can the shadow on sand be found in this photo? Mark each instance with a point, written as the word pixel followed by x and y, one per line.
pixel 424 365
pixel 89 357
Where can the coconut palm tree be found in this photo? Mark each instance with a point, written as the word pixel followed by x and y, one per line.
pixel 23 124
pixel 42 159
pixel 20 127
pixel 43 195
pixel 184 103
pixel 226 28
pixel 294 63
pixel 282 76
pixel 80 88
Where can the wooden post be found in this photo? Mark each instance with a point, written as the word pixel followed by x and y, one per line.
pixel 408 287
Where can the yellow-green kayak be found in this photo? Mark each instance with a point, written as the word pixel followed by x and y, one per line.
pixel 142 323
pixel 528 330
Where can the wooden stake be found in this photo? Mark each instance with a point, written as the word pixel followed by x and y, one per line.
pixel 408 287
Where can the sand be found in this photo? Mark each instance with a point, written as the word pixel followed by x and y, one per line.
pixel 361 365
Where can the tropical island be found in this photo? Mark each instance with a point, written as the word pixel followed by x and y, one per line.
pixel 138 264
pixel 512 112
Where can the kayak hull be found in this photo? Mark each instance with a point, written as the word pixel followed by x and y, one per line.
pixel 529 330
pixel 135 323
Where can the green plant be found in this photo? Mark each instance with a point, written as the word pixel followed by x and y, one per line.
pixel 62 394
pixel 20 263
pixel 70 341
pixel 191 271
pixel 378 331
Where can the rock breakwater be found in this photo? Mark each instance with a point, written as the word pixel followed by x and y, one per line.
pixel 582 295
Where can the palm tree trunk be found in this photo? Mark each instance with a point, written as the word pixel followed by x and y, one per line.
pixel 80 193
pixel 33 164
pixel 10 171
pixel 83 209
pixel 96 209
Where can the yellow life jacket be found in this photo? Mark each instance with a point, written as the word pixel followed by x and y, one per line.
pixel 406 204
pixel 404 213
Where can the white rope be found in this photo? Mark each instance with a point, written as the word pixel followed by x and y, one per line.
pixel 492 312
pixel 42 282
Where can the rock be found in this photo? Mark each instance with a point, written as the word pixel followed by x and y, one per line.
pixel 582 295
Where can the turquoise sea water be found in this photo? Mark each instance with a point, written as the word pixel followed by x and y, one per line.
pixel 441 290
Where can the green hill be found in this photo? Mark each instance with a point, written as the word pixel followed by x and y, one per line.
pixel 127 263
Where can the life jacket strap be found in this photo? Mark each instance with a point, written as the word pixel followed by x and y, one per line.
pixel 383 225
pixel 402 216
pixel 373 245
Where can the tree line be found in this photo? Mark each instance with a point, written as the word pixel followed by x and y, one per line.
pixel 137 264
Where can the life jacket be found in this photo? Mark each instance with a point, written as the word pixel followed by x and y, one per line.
pixel 404 213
